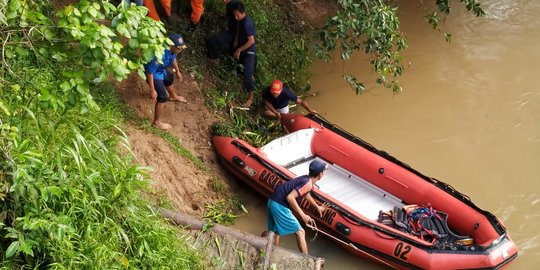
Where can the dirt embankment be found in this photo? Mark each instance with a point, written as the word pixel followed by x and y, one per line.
pixel 185 186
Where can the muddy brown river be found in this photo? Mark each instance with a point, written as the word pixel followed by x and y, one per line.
pixel 469 115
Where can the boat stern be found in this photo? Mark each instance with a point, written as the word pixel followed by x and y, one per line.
pixel 293 122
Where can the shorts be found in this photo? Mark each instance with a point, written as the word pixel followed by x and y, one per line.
pixel 284 110
pixel 281 219
pixel 161 87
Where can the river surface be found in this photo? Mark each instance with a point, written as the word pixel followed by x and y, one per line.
pixel 469 115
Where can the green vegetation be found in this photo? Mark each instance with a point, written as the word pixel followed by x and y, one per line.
pixel 70 195
pixel 71 201
pixel 220 213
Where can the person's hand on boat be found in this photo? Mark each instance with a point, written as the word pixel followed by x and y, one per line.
pixel 314 112
pixel 307 219
pixel 321 208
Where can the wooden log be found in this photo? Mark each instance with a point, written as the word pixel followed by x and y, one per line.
pixel 269 246
pixel 192 223
pixel 273 254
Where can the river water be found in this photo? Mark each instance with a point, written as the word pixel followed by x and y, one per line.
pixel 469 115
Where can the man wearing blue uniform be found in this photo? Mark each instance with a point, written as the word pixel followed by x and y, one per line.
pixel 244 48
pixel 160 79
pixel 280 217
pixel 276 100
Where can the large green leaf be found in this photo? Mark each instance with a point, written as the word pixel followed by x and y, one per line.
pixel 12 249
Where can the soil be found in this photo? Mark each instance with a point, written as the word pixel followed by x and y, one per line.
pixel 186 187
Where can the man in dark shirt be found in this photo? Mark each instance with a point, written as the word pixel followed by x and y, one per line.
pixel 280 217
pixel 244 48
pixel 276 100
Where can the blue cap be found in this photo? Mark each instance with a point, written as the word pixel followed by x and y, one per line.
pixel 317 166
pixel 177 39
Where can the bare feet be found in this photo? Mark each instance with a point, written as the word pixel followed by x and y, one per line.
pixel 249 100
pixel 178 99
pixel 161 125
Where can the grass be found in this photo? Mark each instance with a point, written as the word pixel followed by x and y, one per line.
pixel 69 198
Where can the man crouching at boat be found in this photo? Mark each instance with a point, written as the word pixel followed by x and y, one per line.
pixel 280 218
pixel 276 98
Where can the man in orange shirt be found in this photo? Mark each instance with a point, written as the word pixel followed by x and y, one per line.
pixel 197 10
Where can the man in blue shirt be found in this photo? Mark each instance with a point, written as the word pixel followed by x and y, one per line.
pixel 160 79
pixel 244 47
pixel 280 217
pixel 276 100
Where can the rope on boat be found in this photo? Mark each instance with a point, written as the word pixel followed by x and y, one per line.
pixel 248 154
pixel 313 226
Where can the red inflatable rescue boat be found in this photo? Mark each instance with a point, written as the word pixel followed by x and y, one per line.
pixel 381 208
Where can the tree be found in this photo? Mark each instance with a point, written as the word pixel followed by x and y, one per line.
pixel 372 27
pixel 98 38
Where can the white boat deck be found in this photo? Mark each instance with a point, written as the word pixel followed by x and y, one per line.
pixel 294 152
pixel 351 190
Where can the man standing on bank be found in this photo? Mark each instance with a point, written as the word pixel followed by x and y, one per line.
pixel 244 48
pixel 280 217
pixel 160 79
pixel 197 10
pixel 276 100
